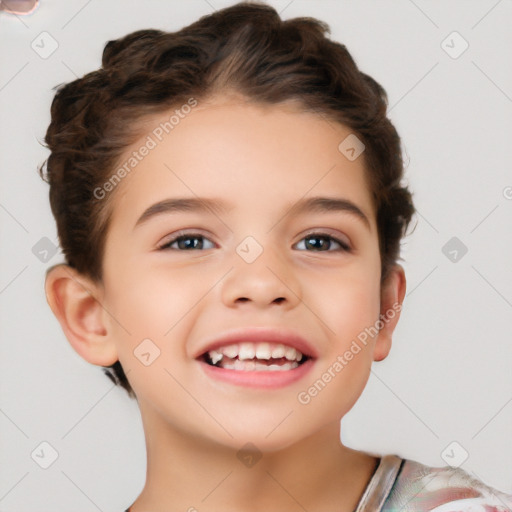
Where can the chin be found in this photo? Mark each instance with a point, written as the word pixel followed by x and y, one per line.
pixel 258 442
pixel 259 436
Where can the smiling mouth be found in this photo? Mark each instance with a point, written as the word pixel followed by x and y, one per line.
pixel 249 357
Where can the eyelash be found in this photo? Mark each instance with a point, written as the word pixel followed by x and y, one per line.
pixel 344 247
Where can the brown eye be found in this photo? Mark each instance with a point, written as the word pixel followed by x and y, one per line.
pixel 187 243
pixel 323 242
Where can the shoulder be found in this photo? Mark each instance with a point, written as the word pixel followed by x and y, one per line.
pixel 442 489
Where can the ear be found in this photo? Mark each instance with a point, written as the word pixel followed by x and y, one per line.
pixel 74 300
pixel 392 296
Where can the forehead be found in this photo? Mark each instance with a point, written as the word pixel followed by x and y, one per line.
pixel 244 152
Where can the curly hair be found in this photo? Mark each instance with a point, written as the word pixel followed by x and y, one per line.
pixel 245 48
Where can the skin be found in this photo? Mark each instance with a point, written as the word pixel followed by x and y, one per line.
pixel 261 160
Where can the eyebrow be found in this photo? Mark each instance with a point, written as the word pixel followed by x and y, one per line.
pixel 329 204
pixel 205 205
pixel 185 204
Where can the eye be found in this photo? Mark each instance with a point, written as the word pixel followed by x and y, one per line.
pixel 323 242
pixel 192 241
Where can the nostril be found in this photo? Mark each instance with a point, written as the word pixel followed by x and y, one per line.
pixel 245 299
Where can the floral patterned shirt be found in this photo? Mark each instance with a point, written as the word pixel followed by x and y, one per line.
pixel 403 485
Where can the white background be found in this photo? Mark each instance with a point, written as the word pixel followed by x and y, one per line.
pixel 448 377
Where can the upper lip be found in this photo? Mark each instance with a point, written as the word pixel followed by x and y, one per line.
pixel 257 334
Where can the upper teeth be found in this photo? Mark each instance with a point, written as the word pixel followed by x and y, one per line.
pixel 261 350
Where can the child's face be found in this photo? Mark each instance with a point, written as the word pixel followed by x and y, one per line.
pixel 258 163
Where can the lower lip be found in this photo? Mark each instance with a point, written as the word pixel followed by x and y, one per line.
pixel 258 379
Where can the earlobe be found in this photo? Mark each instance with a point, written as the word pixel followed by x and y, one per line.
pixel 73 299
pixel 392 296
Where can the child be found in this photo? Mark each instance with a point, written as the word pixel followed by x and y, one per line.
pixel 260 140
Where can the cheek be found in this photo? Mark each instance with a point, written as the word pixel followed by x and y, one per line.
pixel 149 297
pixel 348 302
pixel 158 305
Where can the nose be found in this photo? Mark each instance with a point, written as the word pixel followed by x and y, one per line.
pixel 269 280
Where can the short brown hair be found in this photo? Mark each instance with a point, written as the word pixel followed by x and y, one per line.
pixel 245 48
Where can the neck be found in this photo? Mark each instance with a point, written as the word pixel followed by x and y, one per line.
pixel 193 474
